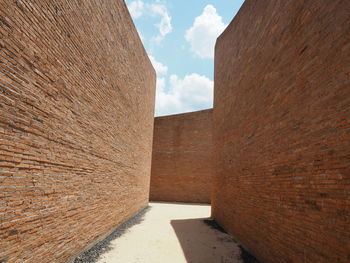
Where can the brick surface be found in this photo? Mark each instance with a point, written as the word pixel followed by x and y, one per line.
pixel 76 124
pixel 182 158
pixel 282 130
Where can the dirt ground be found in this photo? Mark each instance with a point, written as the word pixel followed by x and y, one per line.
pixel 171 232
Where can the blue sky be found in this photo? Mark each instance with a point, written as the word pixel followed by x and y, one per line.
pixel 179 37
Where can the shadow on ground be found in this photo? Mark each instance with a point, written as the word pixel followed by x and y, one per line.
pixel 203 240
pixel 92 254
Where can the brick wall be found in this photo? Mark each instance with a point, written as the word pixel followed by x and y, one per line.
pixel 282 130
pixel 182 158
pixel 76 123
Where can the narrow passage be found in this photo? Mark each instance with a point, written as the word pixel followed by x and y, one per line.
pixel 173 233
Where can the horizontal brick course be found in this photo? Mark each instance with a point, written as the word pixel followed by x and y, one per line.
pixel 281 137
pixel 76 124
pixel 182 158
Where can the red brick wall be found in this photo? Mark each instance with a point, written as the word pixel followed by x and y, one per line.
pixel 282 130
pixel 76 123
pixel 182 158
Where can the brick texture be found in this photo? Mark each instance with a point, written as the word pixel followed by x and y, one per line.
pixel 76 123
pixel 282 130
pixel 182 158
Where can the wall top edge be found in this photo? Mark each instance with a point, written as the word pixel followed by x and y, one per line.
pixel 184 114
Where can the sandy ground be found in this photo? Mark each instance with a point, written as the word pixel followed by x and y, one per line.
pixel 173 233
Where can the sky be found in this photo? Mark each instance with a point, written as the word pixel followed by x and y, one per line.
pixel 179 37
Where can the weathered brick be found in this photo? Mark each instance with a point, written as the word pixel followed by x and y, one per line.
pixel 182 158
pixel 281 130
pixel 76 122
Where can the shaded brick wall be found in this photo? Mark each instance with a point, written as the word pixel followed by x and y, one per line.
pixel 281 136
pixel 76 124
pixel 182 158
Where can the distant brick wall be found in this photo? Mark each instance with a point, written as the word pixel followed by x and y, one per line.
pixel 282 130
pixel 76 123
pixel 182 158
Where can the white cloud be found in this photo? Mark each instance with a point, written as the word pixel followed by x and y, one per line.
pixel 164 25
pixel 160 68
pixel 193 92
pixel 177 95
pixel 204 31
pixel 136 8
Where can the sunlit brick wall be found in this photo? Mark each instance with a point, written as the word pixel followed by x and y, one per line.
pixel 182 158
pixel 76 124
pixel 282 130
